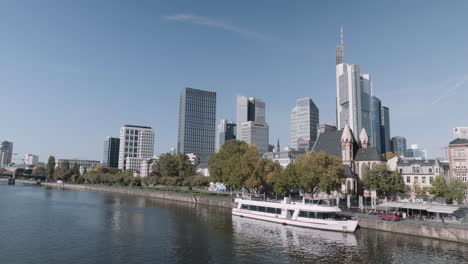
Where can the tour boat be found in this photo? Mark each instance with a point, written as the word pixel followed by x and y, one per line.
pixel 310 213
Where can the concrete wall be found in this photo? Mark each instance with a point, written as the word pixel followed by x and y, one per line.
pixel 181 197
pixel 424 229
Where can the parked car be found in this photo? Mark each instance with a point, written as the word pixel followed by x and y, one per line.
pixel 390 216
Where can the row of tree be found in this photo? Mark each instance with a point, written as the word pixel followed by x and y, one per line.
pixel 239 165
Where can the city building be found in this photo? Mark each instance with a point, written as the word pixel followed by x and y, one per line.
pixel 420 173
pixel 252 127
pixel 82 164
pixel 146 167
pixel 31 159
pixel 304 123
pixel 376 133
pixel 385 129
pixel 353 93
pixel 193 159
pixel 284 158
pixel 322 128
pixel 136 144
pixel 197 123
pixel 111 152
pixel 6 153
pixel 460 132
pixel 399 145
pixel 226 131
pixel 458 160
pixel 357 156
pixel 415 152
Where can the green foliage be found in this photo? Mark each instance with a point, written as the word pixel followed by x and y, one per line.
pixel 286 180
pixel 319 170
pixel 39 170
pixel 439 188
pixel 238 165
pixel 456 190
pixel 383 181
pixel 50 167
pixel 170 165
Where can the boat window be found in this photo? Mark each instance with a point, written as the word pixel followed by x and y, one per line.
pixel 303 214
pixel 245 206
pixel 271 210
pixel 253 207
pixel 325 215
pixel 261 209
pixel 278 211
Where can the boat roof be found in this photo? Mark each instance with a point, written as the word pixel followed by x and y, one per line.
pixel 291 206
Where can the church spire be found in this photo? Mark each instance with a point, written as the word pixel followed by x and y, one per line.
pixel 278 146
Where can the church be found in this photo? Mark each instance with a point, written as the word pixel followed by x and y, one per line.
pixel 357 156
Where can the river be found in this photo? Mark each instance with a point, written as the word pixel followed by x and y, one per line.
pixel 41 225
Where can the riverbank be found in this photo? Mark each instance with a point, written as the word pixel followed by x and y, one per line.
pixel 225 202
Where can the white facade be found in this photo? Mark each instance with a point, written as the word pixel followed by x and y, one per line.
pixel 420 172
pixel 134 165
pixel 304 124
pixel 146 167
pixel 31 159
pixel 251 122
pixel 460 132
pixel 136 142
pixel 193 159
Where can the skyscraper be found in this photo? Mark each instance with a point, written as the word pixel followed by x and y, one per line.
pixel 6 153
pixel 197 123
pixel 385 129
pixel 111 152
pixel 375 134
pixel 304 124
pixel 226 131
pixel 353 93
pixel 399 145
pixel 251 122
pixel 136 144
pixel 31 159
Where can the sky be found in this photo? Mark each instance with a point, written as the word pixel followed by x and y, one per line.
pixel 73 72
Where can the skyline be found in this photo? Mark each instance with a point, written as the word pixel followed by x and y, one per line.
pixel 75 73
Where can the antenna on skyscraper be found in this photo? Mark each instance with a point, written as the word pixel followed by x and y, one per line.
pixel 342 42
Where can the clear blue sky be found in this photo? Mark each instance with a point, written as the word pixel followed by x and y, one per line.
pixel 73 72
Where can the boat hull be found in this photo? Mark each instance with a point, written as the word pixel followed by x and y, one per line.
pixel 348 226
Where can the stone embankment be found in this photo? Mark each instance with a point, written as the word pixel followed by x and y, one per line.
pixel 437 230
pixel 180 197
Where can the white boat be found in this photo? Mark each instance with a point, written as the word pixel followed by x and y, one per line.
pixel 310 213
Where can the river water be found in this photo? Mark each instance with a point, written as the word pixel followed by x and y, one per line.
pixel 40 225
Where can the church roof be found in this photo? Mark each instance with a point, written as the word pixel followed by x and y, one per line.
pixel 330 143
pixel 459 141
pixel 363 136
pixel 347 135
pixel 369 154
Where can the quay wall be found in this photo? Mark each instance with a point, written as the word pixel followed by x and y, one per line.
pixel 180 197
pixel 429 230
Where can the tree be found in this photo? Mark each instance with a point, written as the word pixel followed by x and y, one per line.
pixel 76 169
pixel 418 191
pixel 456 190
pixel 389 155
pixel 50 167
pixel 439 188
pixel 286 180
pixel 319 170
pixel 170 165
pixel 39 170
pixel 385 182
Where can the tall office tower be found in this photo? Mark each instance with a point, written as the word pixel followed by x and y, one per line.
pixel 385 129
pixel 304 124
pixel 460 132
pixel 31 160
pixel 353 93
pixel 197 123
pixel 226 131
pixel 136 144
pixel 375 133
pixel 6 153
pixel 251 122
pixel 111 152
pixel 399 145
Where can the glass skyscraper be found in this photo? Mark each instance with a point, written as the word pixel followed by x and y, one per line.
pixel 399 145
pixel 197 123
pixel 251 122
pixel 385 129
pixel 304 124
pixel 226 131
pixel 111 152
